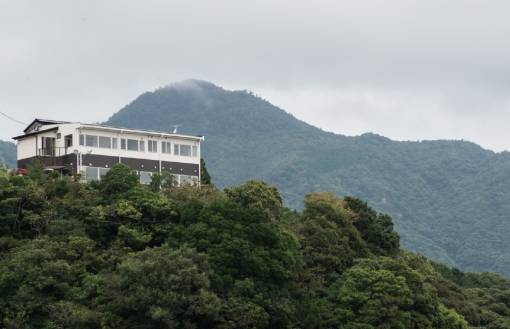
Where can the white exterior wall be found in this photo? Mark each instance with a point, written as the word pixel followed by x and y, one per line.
pixel 27 147
pixel 145 136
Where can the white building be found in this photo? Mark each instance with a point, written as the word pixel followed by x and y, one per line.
pixel 60 144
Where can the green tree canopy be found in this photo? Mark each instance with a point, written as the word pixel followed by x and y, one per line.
pixel 118 180
pixel 258 194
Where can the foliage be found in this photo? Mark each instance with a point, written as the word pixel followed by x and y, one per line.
pixel 376 230
pixel 35 169
pixel 163 287
pixel 257 194
pixel 117 254
pixel 426 186
pixel 118 180
pixel 371 299
pixel 435 191
pixel 328 238
pixel 205 178
pixel 162 180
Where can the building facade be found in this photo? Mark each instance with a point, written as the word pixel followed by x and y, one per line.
pixel 94 149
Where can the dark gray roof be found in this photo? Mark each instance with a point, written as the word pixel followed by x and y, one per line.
pixel 35 133
pixel 44 122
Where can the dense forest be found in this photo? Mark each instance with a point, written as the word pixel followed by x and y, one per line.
pixel 448 199
pixel 117 254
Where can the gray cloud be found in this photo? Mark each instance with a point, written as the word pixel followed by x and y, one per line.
pixel 406 70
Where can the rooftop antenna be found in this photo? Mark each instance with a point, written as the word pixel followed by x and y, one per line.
pixel 175 127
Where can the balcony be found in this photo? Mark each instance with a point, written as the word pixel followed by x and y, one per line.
pixel 55 157
pixel 52 151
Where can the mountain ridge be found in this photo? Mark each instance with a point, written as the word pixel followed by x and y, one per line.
pixel 426 186
pixel 447 197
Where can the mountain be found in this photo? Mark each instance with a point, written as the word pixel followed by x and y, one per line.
pixel 9 152
pixel 448 199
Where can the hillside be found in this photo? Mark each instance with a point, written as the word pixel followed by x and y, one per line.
pixel 8 151
pixel 448 198
pixel 117 254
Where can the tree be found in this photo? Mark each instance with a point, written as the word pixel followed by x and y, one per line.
pixel 118 180
pixel 162 287
pixel 388 293
pixel 330 207
pixel 254 263
pixel 36 169
pixel 22 201
pixel 240 243
pixel 205 178
pixel 376 230
pixel 368 298
pixel 32 277
pixel 258 194
pixel 162 180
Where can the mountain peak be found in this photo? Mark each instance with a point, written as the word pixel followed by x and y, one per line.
pixel 191 85
pixel 427 187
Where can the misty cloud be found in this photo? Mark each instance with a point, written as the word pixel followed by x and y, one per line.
pixel 405 70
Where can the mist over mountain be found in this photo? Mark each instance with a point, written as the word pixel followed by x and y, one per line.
pixel 448 199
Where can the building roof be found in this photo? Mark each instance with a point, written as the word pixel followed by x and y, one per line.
pixel 137 129
pixel 35 133
pixel 44 122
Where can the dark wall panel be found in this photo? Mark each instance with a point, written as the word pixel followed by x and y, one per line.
pixel 141 164
pixel 178 168
pixel 104 161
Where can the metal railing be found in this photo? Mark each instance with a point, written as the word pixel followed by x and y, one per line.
pixel 52 151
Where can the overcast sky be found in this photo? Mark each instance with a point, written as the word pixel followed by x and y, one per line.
pixel 406 70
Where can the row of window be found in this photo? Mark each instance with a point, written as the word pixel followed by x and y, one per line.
pixel 95 173
pixel 138 145
pixel 145 178
pixel 98 141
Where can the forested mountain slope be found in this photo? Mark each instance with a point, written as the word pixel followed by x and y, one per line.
pixel 8 151
pixel 448 198
pixel 118 254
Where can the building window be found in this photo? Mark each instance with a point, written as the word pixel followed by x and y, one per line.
pixel 103 171
pixel 183 179
pixel 91 140
pixel 91 173
pixel 142 146
pixel 68 140
pixel 123 143
pixel 145 177
pixel 95 173
pixel 98 141
pixel 132 145
pixel 166 147
pixel 153 146
pixel 185 150
pixel 105 142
